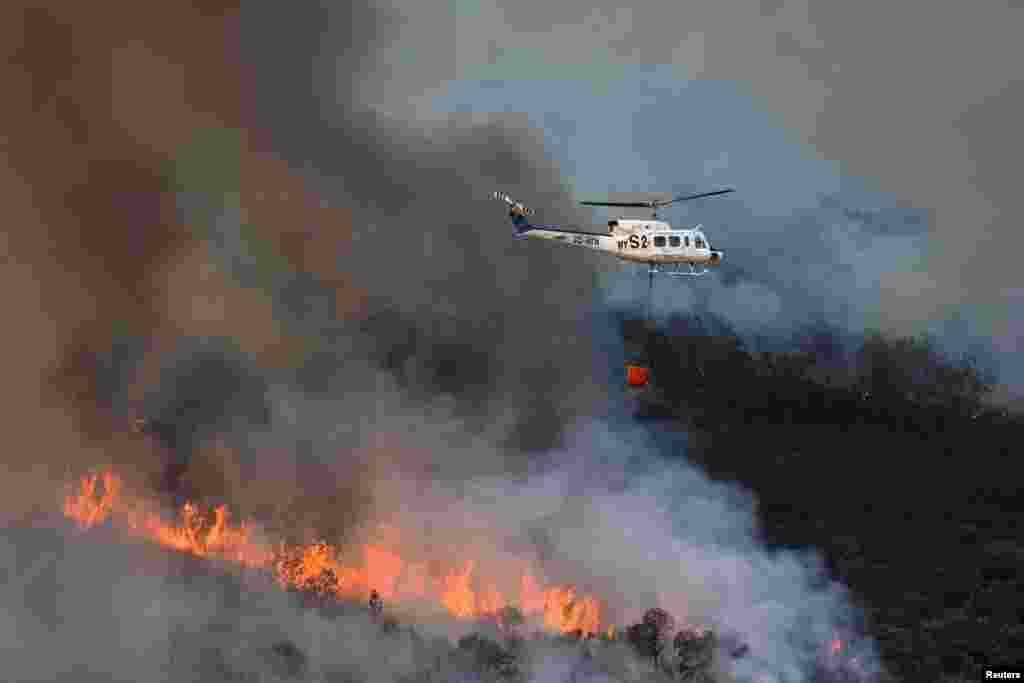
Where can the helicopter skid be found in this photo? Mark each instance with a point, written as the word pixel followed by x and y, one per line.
pixel 678 271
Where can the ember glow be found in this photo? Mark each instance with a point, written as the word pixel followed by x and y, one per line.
pixel 462 590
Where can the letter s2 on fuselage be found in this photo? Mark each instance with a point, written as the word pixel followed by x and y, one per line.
pixel 634 242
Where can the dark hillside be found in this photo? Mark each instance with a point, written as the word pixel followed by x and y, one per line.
pixel 884 456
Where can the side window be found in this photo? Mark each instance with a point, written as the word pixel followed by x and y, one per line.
pixel 659 240
pixel 686 240
pixel 673 240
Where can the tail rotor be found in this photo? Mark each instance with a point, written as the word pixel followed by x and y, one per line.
pixel 516 211
pixel 515 208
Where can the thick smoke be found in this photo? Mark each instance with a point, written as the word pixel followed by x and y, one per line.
pixel 928 122
pixel 178 205
pixel 225 198
pixel 609 512
pixel 450 294
pixel 619 518
pixel 108 612
pixel 923 121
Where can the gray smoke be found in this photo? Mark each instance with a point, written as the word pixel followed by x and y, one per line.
pixel 918 102
pixel 928 122
pixel 609 512
pixel 402 381
pixel 453 302
pixel 101 611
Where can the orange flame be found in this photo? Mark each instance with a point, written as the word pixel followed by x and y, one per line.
pixel 461 591
pixel 90 507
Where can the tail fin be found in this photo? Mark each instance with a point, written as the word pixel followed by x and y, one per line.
pixel 517 212
pixel 520 223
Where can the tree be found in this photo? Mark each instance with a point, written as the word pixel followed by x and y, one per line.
pixel 696 651
pixel 649 637
pixel 488 656
pixel 644 639
pixel 660 620
pixel 376 604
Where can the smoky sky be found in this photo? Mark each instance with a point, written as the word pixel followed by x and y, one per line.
pixel 918 101
pixel 358 235
pixel 234 199
pixel 452 300
pixel 805 244
pixel 220 223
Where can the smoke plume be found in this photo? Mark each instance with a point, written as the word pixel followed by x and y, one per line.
pixel 315 315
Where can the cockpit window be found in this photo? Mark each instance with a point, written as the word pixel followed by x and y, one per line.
pixel 698 241
pixel 659 240
pixel 673 240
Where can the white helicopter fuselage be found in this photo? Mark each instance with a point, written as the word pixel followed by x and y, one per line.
pixel 649 241
pixel 641 241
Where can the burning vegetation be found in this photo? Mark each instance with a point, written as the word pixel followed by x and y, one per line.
pixel 327 570
pixel 561 616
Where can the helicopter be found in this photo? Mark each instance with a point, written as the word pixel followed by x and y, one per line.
pixel 665 250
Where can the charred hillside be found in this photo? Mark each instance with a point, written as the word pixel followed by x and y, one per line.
pixel 881 453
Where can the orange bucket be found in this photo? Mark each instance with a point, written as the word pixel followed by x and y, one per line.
pixel 637 375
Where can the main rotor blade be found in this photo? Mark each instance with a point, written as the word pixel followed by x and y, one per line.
pixel 665 202
pixel 687 197
pixel 648 205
